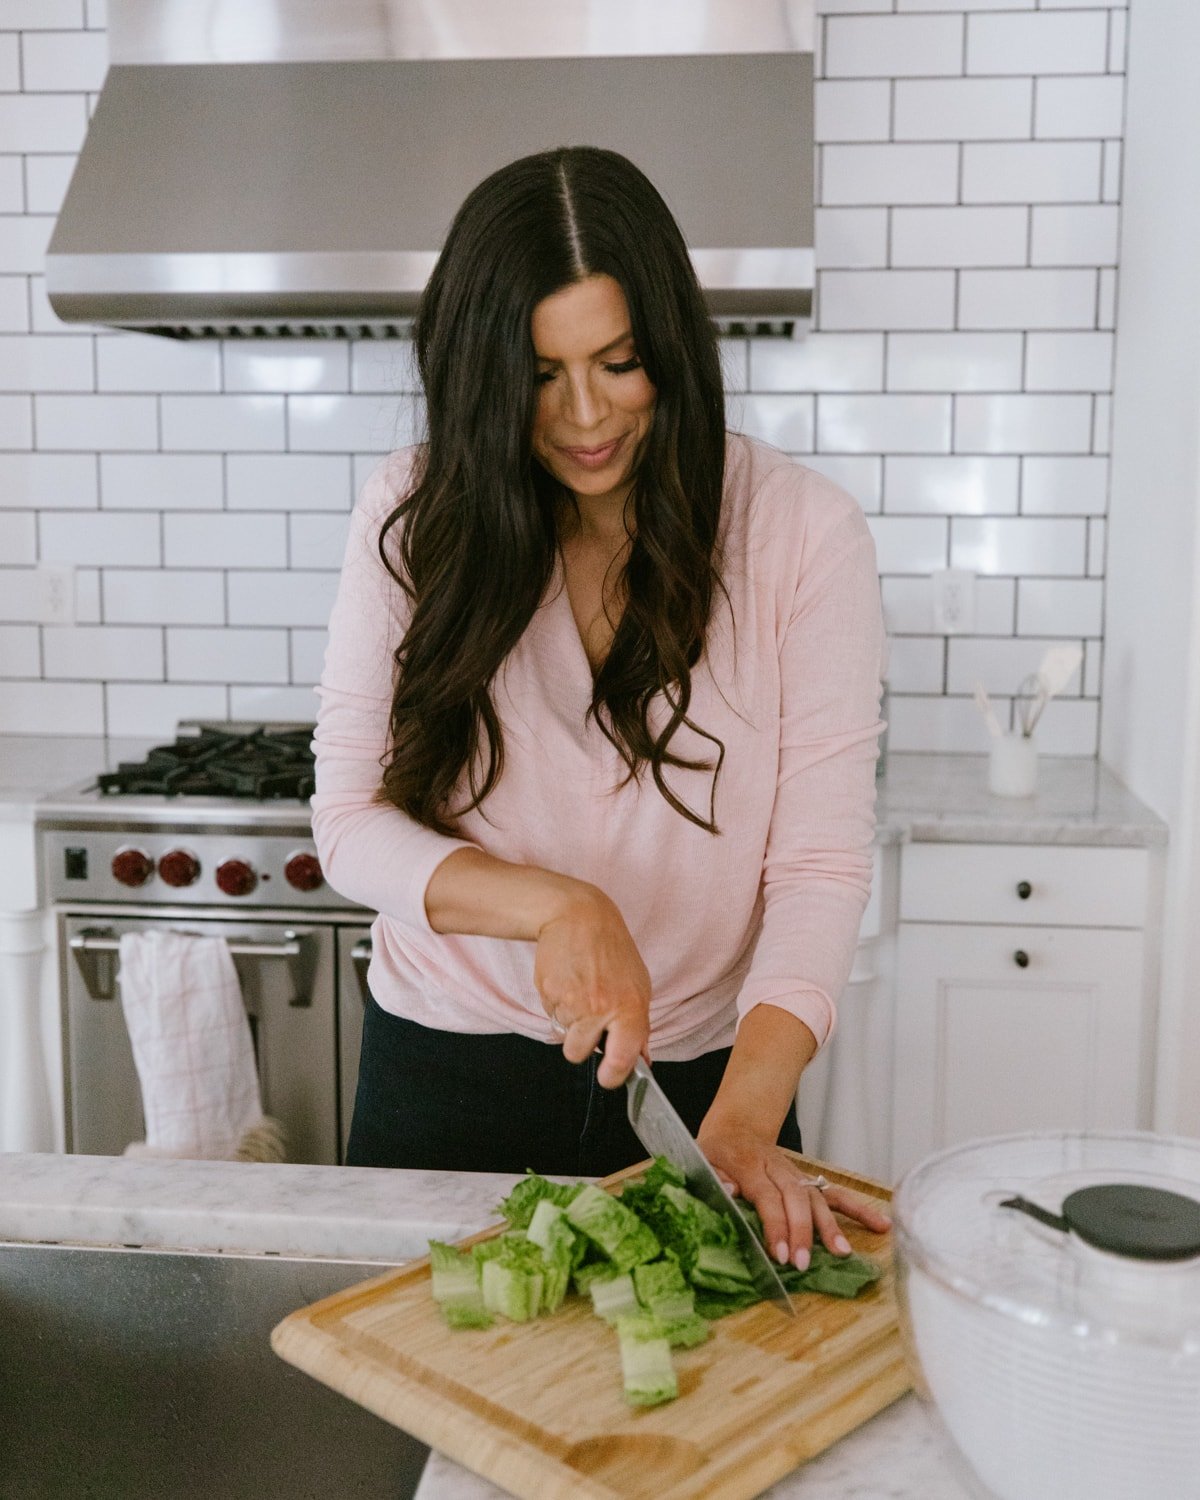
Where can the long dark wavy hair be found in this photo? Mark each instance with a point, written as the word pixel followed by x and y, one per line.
pixel 477 529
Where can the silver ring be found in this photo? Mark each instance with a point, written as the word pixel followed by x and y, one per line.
pixel 820 1183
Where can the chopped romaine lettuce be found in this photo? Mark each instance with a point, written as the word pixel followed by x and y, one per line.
pixel 519 1206
pixel 648 1370
pixel 618 1231
pixel 613 1297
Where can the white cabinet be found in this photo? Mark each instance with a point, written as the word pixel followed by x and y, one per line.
pixel 1021 993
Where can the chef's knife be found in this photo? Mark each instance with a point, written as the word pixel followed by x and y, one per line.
pixel 659 1128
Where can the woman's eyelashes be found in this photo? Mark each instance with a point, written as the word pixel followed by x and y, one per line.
pixel 625 367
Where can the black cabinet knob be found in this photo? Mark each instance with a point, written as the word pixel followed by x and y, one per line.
pixel 1021 959
pixel 1024 890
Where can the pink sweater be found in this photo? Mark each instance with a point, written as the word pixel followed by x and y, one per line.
pixel 768 911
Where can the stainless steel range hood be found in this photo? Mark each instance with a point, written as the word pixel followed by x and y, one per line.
pixel 273 167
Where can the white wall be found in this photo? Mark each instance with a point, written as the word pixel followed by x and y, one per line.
pixel 958 383
pixel 1151 718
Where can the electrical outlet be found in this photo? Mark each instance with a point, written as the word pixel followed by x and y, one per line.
pixel 953 601
pixel 56 594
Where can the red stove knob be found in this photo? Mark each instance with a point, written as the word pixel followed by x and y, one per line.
pixel 179 867
pixel 132 866
pixel 303 871
pixel 236 877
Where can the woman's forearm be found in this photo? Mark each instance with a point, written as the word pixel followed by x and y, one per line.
pixel 758 1090
pixel 474 892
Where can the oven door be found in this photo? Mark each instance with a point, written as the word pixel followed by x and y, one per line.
pixel 286 969
pixel 354 954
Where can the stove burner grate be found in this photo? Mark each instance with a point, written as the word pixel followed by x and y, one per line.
pixel 260 763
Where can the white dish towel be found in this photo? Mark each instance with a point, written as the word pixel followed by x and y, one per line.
pixel 191 1044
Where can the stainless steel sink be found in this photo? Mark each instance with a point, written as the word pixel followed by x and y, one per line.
pixel 130 1374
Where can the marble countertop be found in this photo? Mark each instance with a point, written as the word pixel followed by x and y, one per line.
pixel 925 798
pixel 361 1214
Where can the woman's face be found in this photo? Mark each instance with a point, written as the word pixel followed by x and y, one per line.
pixel 595 401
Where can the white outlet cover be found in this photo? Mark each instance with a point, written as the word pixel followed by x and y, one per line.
pixel 953 601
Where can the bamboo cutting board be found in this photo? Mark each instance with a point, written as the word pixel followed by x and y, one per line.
pixel 538 1407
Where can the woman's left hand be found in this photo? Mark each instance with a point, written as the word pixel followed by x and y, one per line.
pixel 793 1211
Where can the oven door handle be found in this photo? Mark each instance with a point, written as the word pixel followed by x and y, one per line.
pixel 99 972
pixel 360 957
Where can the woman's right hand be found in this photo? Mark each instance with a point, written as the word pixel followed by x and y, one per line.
pixel 592 981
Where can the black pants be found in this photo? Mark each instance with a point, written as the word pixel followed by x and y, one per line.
pixel 454 1102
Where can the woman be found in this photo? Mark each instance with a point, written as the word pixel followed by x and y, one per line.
pixel 621 673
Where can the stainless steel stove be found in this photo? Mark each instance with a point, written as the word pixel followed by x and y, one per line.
pixel 209 834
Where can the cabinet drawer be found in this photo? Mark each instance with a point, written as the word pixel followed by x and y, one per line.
pixel 1039 884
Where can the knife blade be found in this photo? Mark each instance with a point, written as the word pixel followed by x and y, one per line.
pixel 657 1125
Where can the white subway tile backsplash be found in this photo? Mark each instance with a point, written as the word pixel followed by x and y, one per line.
pixel 820 362
pixel 152 596
pixel 307 655
pixel 1110 176
pixel 386 366
pixel 1117 26
pixel 296 365
pixel 52 708
pixel 1096 544
pixel 1087 107
pixel 98 540
pixel 43 318
pixel 1001 665
pixel 16 422
pixel 44 363
pixel 19 653
pixel 146 362
pixel 1101 423
pixel 87 597
pixel 892 424
pixel 909 544
pixel 852 110
pixel 949 726
pixel 223 423
pixel 317 541
pixel 908 606
pixel 12 184
pixel 14 304
pixel 41 15
pixel 1106 300
pixel 1031 172
pixel 224 655
pixel 954 362
pixel 968 5
pixel 96 12
pixel 960 236
pixel 1055 485
pixel 865 174
pixel 18 537
pixel 42 122
pixel 784 421
pixel 287 481
pixel 23 237
pixel 935 485
pixel 103 652
pixel 295 704
pixel 1069 362
pixel 963 109
pixel 1060 606
pixel 19 592
pixel 154 709
pixel 1022 424
pixel 161 481
pixel 735 363
pixel 1017 546
pixel 885 299
pixel 48 481
pixel 351 424
pixel 1070 726
pixel 850 237
pixel 858 474
pixel 1074 235
pixel 96 423
pixel 292 598
pixel 916 664
pixel 66 63
pixel 46 179
pixel 893 46
pixel 1050 298
pixel 1039 43
pixel 225 541
pixel 1093 668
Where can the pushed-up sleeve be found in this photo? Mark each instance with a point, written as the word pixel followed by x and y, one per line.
pixel 370 852
pixel 817 867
